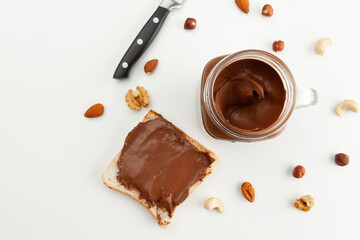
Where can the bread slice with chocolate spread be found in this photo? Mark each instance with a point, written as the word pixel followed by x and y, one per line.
pixel 159 166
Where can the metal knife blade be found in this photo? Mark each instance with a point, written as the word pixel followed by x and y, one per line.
pixel 171 4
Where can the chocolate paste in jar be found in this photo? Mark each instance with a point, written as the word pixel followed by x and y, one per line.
pixel 249 95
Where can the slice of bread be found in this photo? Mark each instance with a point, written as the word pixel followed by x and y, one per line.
pixel 161 215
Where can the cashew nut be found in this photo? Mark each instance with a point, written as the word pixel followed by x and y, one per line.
pixel 346 105
pixel 214 203
pixel 321 44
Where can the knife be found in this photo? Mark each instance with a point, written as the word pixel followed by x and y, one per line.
pixel 145 37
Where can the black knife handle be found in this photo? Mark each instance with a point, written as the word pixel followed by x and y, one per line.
pixel 141 42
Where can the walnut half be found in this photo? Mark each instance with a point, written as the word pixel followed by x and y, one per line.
pixel 138 98
pixel 305 203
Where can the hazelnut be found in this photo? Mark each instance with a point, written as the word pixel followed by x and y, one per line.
pixel 342 159
pixel 278 46
pixel 190 24
pixel 299 171
pixel 267 10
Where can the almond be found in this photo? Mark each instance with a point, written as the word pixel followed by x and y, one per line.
pixel 151 65
pixel 243 5
pixel 248 191
pixel 95 111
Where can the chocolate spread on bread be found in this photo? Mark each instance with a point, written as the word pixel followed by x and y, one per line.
pixel 249 94
pixel 159 162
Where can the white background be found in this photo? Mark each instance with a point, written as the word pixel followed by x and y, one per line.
pixel 57 59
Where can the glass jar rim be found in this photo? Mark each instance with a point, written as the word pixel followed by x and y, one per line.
pixel 288 81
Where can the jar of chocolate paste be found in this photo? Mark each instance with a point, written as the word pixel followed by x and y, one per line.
pixel 249 96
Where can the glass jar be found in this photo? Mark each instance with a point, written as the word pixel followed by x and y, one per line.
pixel 218 128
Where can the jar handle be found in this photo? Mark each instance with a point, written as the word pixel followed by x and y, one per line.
pixel 305 97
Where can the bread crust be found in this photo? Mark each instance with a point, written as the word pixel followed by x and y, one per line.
pixel 160 215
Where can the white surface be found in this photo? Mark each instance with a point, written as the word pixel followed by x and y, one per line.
pixel 57 59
